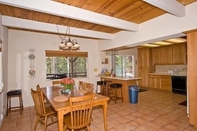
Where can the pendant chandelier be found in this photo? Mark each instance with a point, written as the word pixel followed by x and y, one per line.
pixel 67 44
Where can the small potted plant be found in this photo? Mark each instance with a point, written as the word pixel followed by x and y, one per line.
pixel 67 84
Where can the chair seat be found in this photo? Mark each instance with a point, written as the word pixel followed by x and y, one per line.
pixel 49 110
pixel 10 95
pixel 14 92
pixel 115 85
pixel 101 82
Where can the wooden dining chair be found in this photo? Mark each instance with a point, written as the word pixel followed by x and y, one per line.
pixel 46 103
pixel 42 112
pixel 56 83
pixel 89 87
pixel 81 85
pixel 80 112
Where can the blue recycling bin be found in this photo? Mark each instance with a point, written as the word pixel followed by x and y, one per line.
pixel 133 93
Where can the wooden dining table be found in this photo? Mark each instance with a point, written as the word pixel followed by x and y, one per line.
pixel 63 107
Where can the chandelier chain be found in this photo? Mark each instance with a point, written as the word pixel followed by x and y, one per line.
pixel 61 36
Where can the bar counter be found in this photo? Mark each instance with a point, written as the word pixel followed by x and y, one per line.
pixel 125 81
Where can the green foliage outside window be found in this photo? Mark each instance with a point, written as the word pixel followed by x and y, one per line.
pixel 58 65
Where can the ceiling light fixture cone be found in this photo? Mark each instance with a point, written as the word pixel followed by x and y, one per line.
pixel 68 44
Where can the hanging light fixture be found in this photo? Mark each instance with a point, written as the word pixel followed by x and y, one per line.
pixel 67 44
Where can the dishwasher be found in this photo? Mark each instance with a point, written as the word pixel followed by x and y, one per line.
pixel 179 84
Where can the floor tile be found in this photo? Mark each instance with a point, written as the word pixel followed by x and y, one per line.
pixel 156 110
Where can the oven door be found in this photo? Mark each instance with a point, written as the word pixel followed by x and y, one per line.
pixel 179 84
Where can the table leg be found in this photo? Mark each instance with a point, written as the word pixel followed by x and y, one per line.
pixel 60 120
pixel 105 115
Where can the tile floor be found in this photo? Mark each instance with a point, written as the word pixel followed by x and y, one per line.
pixel 155 111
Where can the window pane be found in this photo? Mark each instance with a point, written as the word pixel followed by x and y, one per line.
pixel 128 66
pixel 57 67
pixel 60 65
pixel 123 65
pixel 78 67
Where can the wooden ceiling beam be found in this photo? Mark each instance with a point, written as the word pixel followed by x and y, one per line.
pixel 46 27
pixel 63 10
pixel 170 6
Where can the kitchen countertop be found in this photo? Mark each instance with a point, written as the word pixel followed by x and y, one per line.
pixel 121 78
pixel 165 73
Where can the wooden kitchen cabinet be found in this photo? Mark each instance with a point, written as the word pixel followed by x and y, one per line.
pixel 162 82
pixel 156 56
pixel 144 58
pixel 170 54
pixel 144 74
pixel 166 83
pixel 155 81
pixel 179 53
pixel 162 55
pixel 165 55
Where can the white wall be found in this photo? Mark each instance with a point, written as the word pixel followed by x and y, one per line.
pixel 5 65
pixel 19 64
pixel 3 71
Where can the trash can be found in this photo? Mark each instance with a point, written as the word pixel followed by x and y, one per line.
pixel 133 93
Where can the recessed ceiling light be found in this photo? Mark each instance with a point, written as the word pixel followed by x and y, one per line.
pixel 149 45
pixel 177 40
pixel 162 43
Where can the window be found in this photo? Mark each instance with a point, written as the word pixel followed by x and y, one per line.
pixel 123 65
pixel 60 66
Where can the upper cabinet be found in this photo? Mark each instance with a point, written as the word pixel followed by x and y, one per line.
pixel 179 53
pixel 168 55
pixel 156 55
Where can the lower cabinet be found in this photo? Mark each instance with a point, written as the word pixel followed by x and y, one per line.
pixel 155 81
pixel 166 83
pixel 162 82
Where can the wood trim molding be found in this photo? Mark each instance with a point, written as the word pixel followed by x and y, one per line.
pixel 191 76
pixel 52 53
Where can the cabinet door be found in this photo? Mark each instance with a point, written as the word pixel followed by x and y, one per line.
pixel 166 55
pixel 144 74
pixel 151 82
pixel 156 55
pixel 155 81
pixel 143 57
pixel 143 66
pixel 179 53
pixel 166 83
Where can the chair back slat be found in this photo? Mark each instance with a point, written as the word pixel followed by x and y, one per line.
pixel 56 83
pixel 81 85
pixel 38 88
pixel 39 102
pixel 81 110
pixel 89 87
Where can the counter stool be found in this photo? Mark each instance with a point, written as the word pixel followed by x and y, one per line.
pixel 101 84
pixel 10 95
pixel 104 85
pixel 114 87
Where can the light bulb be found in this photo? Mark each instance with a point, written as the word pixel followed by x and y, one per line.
pixel 62 45
pixel 76 46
